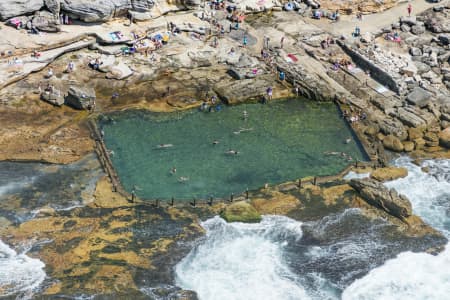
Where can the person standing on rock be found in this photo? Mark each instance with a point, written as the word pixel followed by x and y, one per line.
pixel 269 92
pixel 409 9
pixel 281 42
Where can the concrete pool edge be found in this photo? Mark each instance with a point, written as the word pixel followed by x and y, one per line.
pixel 108 166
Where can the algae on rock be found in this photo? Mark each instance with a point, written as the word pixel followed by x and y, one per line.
pixel 240 212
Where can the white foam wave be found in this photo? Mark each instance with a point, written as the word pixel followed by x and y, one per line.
pixel 242 261
pixel 11 186
pixel 415 275
pixel 354 175
pixel 18 272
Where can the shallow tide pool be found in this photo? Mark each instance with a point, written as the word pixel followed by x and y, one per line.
pixel 277 142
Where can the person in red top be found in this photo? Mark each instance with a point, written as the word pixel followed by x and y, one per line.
pixel 409 9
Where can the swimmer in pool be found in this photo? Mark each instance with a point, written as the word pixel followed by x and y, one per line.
pixel 232 152
pixel 183 179
pixel 162 146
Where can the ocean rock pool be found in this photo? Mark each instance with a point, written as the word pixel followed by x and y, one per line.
pixel 277 142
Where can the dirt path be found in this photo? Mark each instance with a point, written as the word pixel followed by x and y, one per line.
pixel 373 22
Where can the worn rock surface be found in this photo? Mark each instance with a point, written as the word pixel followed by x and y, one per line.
pixel 393 143
pixel 375 193
pixel 80 98
pixel 388 173
pixel 13 8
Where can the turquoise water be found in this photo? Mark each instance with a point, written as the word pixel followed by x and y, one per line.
pixel 277 142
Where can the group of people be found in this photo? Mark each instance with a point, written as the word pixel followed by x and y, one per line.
pixel 353 117
pixel 318 14
pixel 326 43
pixel 64 19
pixel 210 105
pixel 95 64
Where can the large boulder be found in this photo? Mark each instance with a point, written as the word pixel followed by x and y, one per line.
pixel 444 39
pixel 419 97
pixel 46 21
pixel 414 51
pixel 54 6
pixel 55 97
pixel 388 173
pixel 240 212
pixel 393 143
pixel 376 194
pixel 13 8
pixel 142 5
pixel 444 138
pixel 408 20
pixel 80 98
pixel 418 29
pixel 95 10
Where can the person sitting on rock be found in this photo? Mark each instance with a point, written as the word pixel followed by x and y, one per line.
pixel 70 67
pixel 49 73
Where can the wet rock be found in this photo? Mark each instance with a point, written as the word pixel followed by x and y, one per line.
pixel 444 138
pixel 419 97
pixel 376 194
pixel 389 173
pixel 393 143
pixel 241 212
pixel 80 98
pixel 13 8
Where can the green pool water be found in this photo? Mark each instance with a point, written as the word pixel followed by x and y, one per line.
pixel 278 142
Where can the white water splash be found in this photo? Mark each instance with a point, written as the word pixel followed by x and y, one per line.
pixel 354 175
pixel 12 186
pixel 415 275
pixel 18 272
pixel 242 261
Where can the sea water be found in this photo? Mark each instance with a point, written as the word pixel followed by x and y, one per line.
pixel 270 260
pixel 19 274
pixel 415 275
pixel 281 141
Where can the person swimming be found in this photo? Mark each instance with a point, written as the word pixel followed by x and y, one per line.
pixel 215 142
pixel 231 151
pixel 162 146
pixel 173 171
pixel 348 140
pixel 183 179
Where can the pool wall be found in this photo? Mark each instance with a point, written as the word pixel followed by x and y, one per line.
pixel 108 166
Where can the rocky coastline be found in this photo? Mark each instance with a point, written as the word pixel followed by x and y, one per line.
pixel 402 89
